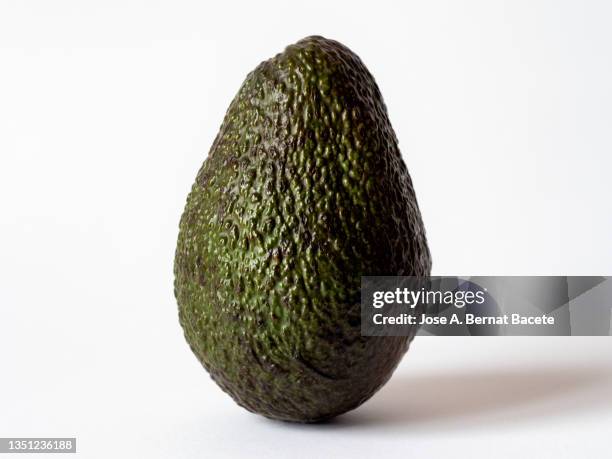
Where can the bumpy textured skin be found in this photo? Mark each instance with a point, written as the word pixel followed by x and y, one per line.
pixel 303 192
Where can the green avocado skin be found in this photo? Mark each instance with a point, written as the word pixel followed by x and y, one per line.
pixel 303 192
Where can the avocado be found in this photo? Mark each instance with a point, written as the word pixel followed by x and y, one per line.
pixel 303 192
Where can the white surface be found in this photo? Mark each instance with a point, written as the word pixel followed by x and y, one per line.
pixel 451 397
pixel 107 109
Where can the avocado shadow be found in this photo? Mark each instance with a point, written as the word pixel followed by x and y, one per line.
pixel 485 398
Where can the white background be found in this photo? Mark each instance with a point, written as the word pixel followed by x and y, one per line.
pixel 107 109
